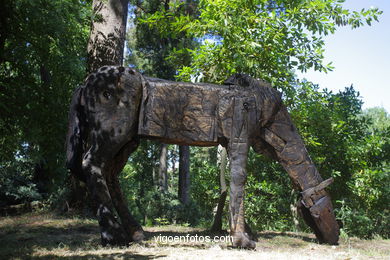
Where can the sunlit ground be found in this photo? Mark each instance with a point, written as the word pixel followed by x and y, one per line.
pixel 47 236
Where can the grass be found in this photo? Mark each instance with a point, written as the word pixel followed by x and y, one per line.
pixel 47 236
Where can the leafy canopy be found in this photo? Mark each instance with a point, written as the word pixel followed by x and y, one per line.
pixel 42 59
pixel 267 39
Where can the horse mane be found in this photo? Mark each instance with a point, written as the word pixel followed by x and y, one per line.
pixel 263 88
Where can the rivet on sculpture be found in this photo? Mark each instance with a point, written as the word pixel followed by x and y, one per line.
pixel 117 106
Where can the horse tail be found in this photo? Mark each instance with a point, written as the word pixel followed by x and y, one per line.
pixel 76 135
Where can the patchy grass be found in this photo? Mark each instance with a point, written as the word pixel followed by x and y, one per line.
pixel 47 236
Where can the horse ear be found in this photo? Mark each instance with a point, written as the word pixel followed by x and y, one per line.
pixel 232 80
pixel 144 82
pixel 75 135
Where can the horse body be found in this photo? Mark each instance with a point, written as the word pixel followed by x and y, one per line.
pixel 117 106
pixel 203 114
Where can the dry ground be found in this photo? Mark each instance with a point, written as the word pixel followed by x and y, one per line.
pixel 47 236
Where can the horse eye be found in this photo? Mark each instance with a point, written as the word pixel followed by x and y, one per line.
pixel 107 94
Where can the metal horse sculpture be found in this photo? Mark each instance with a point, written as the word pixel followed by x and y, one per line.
pixel 117 106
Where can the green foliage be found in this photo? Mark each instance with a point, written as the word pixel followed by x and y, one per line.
pixel 16 183
pixel 351 146
pixel 43 48
pixel 148 204
pixel 268 195
pixel 205 187
pixel 151 49
pixel 366 212
pixel 266 39
pixel 137 178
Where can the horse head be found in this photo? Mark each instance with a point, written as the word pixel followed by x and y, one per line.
pixel 104 112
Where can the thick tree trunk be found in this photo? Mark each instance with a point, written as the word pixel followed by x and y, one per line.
pixel 107 38
pixel 184 174
pixel 162 169
pixel 217 224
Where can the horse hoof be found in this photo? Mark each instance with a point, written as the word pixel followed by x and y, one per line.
pixel 113 239
pixel 138 236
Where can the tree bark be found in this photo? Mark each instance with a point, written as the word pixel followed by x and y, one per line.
pixel 217 224
pixel 173 159
pixel 162 169
pixel 184 174
pixel 107 38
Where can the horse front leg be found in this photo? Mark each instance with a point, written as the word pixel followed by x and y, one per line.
pixel 132 228
pixel 238 154
pixel 111 230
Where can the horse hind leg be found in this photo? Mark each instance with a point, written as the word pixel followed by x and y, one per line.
pixel 132 228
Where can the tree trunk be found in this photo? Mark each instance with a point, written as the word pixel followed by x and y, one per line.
pixel 294 210
pixel 162 168
pixel 184 173
pixel 217 224
pixel 107 38
pixel 174 163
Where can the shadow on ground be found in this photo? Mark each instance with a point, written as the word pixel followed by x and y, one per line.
pixel 47 236
pixel 35 237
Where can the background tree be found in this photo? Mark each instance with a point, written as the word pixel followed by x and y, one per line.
pixel 163 168
pixel 148 50
pixel 184 174
pixel 266 39
pixel 42 59
pixel 222 161
pixel 107 37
